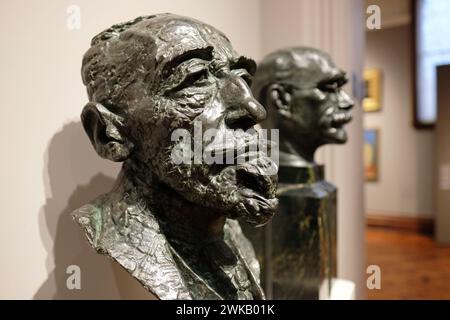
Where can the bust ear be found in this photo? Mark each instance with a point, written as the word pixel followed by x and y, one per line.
pixel 278 97
pixel 103 128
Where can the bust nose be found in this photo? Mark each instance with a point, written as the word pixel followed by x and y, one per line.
pixel 243 111
pixel 345 102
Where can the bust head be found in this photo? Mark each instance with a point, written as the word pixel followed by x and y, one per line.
pixel 302 91
pixel 150 76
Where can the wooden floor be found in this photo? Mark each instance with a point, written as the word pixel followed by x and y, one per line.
pixel 412 265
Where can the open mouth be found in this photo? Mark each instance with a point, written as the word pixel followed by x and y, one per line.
pixel 253 168
pixel 258 175
pixel 253 172
pixel 257 187
pixel 256 181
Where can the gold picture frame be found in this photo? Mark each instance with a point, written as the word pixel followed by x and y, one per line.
pixel 372 92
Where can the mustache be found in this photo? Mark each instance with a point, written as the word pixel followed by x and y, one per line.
pixel 335 118
pixel 239 147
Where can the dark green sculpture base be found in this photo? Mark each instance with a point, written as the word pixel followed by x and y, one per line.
pixel 297 250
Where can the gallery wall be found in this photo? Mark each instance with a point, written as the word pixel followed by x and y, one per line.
pixel 406 155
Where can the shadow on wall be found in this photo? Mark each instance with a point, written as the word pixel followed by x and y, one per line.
pixel 74 176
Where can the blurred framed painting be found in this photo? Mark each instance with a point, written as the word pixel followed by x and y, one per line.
pixel 371 157
pixel 372 90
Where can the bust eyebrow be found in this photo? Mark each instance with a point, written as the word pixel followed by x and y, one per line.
pixel 199 53
pixel 244 63
pixel 340 78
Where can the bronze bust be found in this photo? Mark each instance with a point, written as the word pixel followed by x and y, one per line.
pixel 302 89
pixel 173 225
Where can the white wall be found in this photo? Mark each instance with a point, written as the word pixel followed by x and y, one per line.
pixel 405 186
pixel 337 27
pixel 48 167
pixel 393 13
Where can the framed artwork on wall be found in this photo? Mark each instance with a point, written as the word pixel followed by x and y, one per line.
pixel 371 154
pixel 372 90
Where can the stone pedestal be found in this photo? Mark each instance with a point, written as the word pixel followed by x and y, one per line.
pixel 297 250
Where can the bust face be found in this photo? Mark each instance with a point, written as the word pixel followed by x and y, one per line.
pixel 169 72
pixel 316 108
pixel 320 106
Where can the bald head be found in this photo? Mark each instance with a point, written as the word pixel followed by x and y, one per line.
pixel 298 67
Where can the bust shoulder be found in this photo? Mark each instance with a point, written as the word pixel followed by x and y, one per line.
pixel 128 233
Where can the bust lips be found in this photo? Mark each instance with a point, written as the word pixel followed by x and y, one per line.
pixel 256 182
pixel 251 165
pixel 257 188
pixel 258 174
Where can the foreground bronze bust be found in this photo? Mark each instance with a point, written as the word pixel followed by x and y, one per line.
pixel 172 224
pixel 302 89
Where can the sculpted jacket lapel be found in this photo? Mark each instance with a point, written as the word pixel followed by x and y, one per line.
pixel 133 240
pixel 129 233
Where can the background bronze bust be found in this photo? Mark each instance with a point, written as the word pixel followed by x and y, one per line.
pixel 302 91
pixel 171 225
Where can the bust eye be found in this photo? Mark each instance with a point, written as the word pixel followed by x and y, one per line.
pixel 333 85
pixel 196 78
pixel 329 86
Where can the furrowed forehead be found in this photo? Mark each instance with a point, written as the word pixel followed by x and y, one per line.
pixel 176 37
